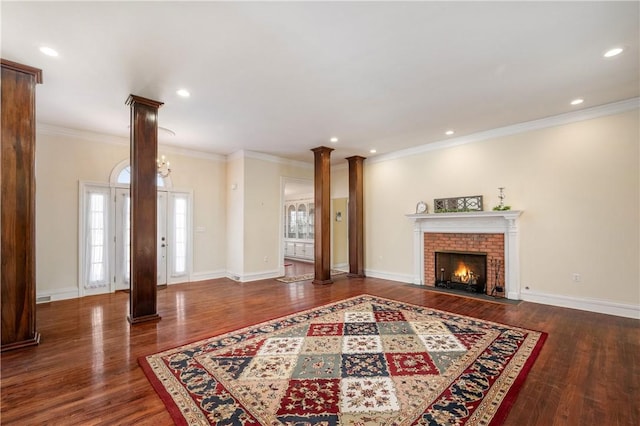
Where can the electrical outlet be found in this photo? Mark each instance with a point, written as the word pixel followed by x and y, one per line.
pixel 266 259
pixel 576 278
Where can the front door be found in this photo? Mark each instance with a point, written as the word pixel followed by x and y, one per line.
pixel 123 239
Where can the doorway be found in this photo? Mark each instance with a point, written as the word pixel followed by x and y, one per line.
pixel 105 228
pixel 298 221
pixel 122 240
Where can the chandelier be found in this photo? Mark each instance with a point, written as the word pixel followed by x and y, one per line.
pixel 163 167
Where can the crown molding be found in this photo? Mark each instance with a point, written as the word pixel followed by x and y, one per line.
pixel 528 126
pixel 86 135
pixel 268 158
pixel 50 129
pixel 171 149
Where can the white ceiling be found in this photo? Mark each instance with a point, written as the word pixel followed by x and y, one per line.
pixel 282 78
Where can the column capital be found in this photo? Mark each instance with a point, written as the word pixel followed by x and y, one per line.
pixel 134 99
pixel 322 149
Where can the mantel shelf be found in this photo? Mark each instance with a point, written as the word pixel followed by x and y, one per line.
pixel 507 214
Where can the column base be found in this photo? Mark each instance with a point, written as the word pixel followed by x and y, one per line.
pixel 144 318
pixel 22 344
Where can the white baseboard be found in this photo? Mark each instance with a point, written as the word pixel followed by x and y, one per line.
pixel 46 296
pixel 584 304
pixel 207 275
pixel 403 278
pixel 255 276
pixel 581 303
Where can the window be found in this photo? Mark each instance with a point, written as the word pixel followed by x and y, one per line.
pixel 96 239
pixel 126 238
pixel 180 224
pixel 293 229
pixel 125 177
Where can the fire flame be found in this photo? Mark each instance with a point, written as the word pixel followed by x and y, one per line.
pixel 463 274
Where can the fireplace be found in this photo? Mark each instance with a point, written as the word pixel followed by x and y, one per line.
pixel 493 233
pixel 461 270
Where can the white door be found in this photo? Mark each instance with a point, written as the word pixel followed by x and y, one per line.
pixel 162 238
pixel 123 239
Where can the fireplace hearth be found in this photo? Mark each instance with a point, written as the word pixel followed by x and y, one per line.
pixel 461 271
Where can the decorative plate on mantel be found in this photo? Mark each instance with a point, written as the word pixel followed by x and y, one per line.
pixel 421 207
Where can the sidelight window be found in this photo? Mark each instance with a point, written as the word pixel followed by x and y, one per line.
pixel 95 239
pixel 180 229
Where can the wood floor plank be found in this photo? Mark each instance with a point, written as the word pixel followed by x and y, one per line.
pixel 85 369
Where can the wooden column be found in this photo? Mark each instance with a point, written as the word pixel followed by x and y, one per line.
pixel 18 207
pixel 322 199
pixel 144 264
pixel 356 217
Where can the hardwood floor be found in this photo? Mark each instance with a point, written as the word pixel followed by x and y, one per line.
pixel 85 369
pixel 295 267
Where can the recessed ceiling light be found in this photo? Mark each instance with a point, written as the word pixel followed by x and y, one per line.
pixel 449 132
pixel 333 139
pixel 48 51
pixel 373 151
pixel 577 101
pixel 183 93
pixel 613 52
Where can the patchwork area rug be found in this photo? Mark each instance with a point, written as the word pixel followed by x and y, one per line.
pixel 306 277
pixel 361 361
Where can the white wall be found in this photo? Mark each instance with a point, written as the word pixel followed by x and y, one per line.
pixel 578 185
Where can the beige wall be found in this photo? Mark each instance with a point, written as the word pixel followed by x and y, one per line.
pixel 339 181
pixel 62 160
pixel 262 217
pixel 339 233
pixel 206 178
pixel 263 212
pixel 235 212
pixel 578 185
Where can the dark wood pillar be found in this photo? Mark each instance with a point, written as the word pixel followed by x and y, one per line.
pixel 144 265
pixel 18 206
pixel 356 217
pixel 322 199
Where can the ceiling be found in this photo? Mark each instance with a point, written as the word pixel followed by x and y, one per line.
pixel 283 77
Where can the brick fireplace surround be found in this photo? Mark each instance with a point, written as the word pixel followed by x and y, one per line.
pixel 490 244
pixel 495 233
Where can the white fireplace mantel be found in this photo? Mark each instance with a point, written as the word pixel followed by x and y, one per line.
pixel 505 222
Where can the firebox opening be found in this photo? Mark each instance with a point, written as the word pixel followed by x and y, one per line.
pixel 461 271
